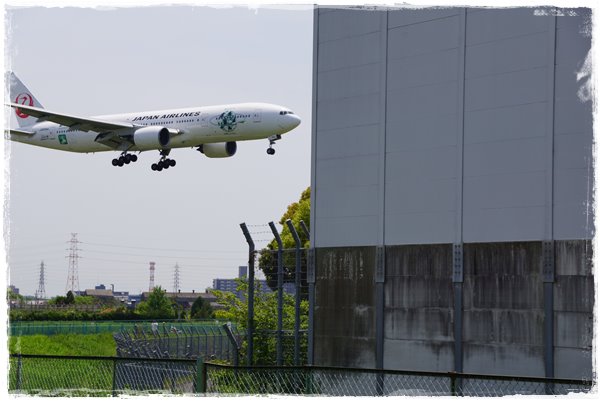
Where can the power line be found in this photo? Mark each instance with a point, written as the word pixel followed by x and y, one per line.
pixel 160 249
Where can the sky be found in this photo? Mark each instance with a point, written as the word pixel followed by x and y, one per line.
pixel 94 61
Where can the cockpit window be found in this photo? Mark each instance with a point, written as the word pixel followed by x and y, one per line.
pixel 285 112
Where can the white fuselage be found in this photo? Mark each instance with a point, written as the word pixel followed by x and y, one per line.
pixel 196 126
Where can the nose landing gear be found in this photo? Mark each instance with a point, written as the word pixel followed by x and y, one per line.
pixel 125 158
pixel 272 139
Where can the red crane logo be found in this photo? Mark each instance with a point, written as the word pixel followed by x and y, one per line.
pixel 24 99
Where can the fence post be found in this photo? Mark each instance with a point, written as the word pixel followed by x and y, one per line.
pixel 279 294
pixel 200 386
pixel 297 316
pixel 19 372
pixel 114 378
pixel 233 340
pixel 305 229
pixel 250 333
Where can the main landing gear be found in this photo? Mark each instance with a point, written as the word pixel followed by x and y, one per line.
pixel 125 158
pixel 272 139
pixel 164 162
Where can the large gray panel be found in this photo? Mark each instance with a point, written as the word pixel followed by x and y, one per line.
pixel 335 143
pixel 509 360
pixel 348 112
pixel 348 171
pixel 405 132
pixel 423 100
pixel 432 36
pixel 415 166
pixel 572 116
pixel 434 324
pixel 347 202
pixel 425 69
pixel 573 363
pixel 574 258
pixel 494 24
pixel 573 151
pixel 572 46
pixel 504 191
pixel 501 326
pixel 510 224
pixel 347 231
pixel 574 329
pixel 525 155
pixel 421 196
pixel 574 220
pixel 355 81
pixel 342 23
pixel 506 89
pixel 492 125
pixel 573 186
pixel 407 16
pixel 425 356
pixel 418 228
pixel 349 52
pixel 513 54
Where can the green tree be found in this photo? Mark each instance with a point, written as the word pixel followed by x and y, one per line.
pixel 157 306
pixel 265 322
pixel 201 309
pixel 297 211
pixel 70 298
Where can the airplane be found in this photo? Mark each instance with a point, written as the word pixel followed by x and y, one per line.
pixel 212 130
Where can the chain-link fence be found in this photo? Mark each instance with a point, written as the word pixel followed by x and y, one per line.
pixel 165 340
pixel 96 327
pixel 357 382
pixel 100 376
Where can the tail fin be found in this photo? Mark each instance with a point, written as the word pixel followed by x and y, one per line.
pixel 21 95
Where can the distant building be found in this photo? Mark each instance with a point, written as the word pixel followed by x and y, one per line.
pixel 230 284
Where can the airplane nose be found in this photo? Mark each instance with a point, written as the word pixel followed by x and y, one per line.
pixel 294 120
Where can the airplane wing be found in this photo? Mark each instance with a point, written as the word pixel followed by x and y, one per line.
pixel 78 123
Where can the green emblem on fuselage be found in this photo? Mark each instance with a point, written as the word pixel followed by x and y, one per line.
pixel 62 139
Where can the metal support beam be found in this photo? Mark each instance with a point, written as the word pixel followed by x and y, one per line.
pixel 305 229
pixel 457 280
pixel 311 278
pixel 279 294
pixel 298 290
pixel 548 278
pixel 250 328
pixel 379 312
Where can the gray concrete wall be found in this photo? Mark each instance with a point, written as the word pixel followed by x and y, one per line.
pixel 450 125
pixel 436 127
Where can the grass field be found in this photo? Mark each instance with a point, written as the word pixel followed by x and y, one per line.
pixel 64 344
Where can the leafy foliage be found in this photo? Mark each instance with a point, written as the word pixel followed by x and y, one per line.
pixel 296 212
pixel 201 309
pixel 157 306
pixel 265 320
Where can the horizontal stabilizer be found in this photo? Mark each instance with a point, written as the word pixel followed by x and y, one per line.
pixel 20 132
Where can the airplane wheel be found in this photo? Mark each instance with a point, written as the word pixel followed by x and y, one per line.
pixel 270 151
pixel 115 162
pixel 154 167
pixel 166 164
pixel 172 163
pixel 120 162
pixel 128 159
pixel 134 158
pixel 159 168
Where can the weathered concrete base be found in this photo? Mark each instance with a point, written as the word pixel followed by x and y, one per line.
pixel 503 308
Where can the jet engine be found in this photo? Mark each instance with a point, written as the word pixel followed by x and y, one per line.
pixel 221 149
pixel 149 138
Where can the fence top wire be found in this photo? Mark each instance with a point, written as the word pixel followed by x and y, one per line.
pixel 101 358
pixel 407 373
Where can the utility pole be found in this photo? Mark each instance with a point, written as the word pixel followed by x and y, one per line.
pixel 176 279
pixel 73 277
pixel 152 267
pixel 41 291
